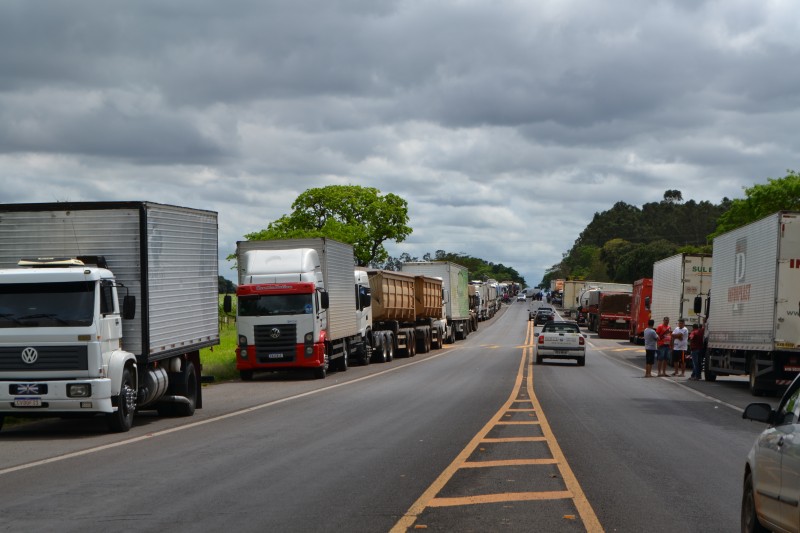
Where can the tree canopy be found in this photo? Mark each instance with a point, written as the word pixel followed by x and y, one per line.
pixel 479 269
pixel 356 215
pixel 778 194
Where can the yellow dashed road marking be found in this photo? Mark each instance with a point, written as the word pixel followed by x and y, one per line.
pixel 522 392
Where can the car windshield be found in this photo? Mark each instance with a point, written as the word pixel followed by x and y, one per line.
pixel 31 305
pixel 561 328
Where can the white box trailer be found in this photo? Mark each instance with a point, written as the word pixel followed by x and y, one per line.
pixel 455 283
pixel 164 257
pixel 678 281
pixel 754 313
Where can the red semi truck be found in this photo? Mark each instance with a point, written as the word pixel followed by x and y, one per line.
pixel 640 309
pixel 608 313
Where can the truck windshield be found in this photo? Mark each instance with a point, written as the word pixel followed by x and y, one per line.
pixel 275 304
pixel 31 305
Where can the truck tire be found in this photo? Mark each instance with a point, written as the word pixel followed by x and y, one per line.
pixel 378 349
pixel 755 388
pixel 423 341
pixel 2 419
pixel 366 350
pixel 122 420
pixel 246 375
pixel 411 343
pixel 343 364
pixel 708 374
pixel 186 386
pixel 388 344
pixel 320 372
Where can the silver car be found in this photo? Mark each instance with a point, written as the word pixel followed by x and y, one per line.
pixel 771 491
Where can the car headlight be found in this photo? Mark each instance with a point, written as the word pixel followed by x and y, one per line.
pixel 79 390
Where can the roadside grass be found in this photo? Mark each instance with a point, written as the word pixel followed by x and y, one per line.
pixel 220 361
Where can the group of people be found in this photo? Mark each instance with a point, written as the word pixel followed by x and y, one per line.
pixel 664 342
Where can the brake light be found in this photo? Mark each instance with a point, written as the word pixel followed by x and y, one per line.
pixel 580 340
pixel 541 339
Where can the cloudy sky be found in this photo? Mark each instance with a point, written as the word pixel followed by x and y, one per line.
pixel 505 124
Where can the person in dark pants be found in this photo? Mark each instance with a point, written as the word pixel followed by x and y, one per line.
pixel 650 348
pixel 696 346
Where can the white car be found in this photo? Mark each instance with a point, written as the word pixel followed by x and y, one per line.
pixel 521 297
pixel 771 490
pixel 560 339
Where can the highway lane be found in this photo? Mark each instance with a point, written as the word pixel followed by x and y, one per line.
pixel 658 454
pixel 344 454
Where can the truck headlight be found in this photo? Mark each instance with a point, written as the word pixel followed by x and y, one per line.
pixel 242 346
pixel 79 390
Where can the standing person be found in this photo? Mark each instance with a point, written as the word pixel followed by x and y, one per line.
pixel 650 348
pixel 664 344
pixel 696 346
pixel 680 343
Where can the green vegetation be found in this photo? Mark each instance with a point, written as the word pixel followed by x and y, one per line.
pixel 622 244
pixel 220 361
pixel 478 268
pixel 348 213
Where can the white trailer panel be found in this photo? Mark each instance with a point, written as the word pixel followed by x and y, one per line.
pixel 755 290
pixel 677 280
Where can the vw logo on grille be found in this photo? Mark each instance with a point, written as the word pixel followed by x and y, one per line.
pixel 274 333
pixel 29 355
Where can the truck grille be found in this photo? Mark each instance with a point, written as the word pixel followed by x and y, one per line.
pixel 45 358
pixel 275 344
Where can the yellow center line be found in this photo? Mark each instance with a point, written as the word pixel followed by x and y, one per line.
pixel 574 491
pixel 516 439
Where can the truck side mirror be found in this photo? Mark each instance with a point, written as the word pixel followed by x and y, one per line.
pixel 698 304
pixel 128 307
pixel 227 304
pixel 647 302
pixel 324 301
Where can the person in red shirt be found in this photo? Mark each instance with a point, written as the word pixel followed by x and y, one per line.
pixel 664 333
pixel 696 346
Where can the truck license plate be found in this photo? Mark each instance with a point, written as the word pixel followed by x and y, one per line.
pixel 27 402
pixel 561 352
pixel 620 321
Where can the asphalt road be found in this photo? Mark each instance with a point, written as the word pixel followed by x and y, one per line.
pixel 469 438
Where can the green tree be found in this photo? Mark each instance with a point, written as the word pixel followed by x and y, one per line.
pixel 761 200
pixel 360 216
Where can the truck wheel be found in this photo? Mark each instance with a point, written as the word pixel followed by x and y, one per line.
pixel 750 523
pixel 186 387
pixel 755 390
pixel 2 419
pixel 411 343
pixel 366 347
pixel 709 375
pixel 122 420
pixel 320 372
pixel 246 375
pixel 388 344
pixel 343 364
pixel 378 351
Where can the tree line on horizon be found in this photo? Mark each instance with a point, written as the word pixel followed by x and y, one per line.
pixel 621 244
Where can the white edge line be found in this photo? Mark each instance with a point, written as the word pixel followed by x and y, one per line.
pixel 216 418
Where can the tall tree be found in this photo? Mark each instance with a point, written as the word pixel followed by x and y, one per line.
pixel 360 216
pixel 761 200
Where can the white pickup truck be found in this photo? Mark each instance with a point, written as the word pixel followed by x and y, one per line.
pixel 561 340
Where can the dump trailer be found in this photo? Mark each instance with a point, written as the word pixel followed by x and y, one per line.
pixel 105 307
pixel 640 309
pixel 753 325
pixel 300 307
pixel 677 281
pixel 406 313
pixel 455 282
